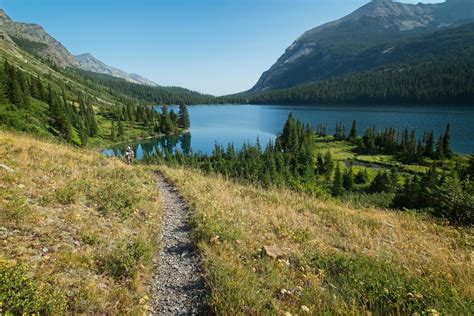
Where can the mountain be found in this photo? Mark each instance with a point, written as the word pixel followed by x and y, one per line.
pixel 90 63
pixel 434 68
pixel 335 48
pixel 33 39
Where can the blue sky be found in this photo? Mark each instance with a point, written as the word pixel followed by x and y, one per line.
pixel 211 46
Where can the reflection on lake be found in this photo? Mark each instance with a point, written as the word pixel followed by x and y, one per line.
pixel 150 147
pixel 239 124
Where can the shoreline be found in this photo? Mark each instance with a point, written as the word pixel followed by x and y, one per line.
pixel 101 148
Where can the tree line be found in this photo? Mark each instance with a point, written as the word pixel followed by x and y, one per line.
pixel 292 161
pixel 445 80
pixel 72 117
pixel 18 89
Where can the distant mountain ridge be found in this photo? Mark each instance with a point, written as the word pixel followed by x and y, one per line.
pixel 90 63
pixel 332 49
pixel 33 39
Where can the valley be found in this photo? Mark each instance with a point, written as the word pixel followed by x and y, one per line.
pixel 340 183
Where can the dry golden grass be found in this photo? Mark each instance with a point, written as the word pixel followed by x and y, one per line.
pixel 81 226
pixel 335 259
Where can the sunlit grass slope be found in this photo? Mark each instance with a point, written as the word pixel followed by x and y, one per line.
pixel 321 257
pixel 77 230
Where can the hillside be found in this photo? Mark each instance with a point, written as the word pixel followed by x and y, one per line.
pixel 279 252
pixel 78 230
pixel 435 68
pixel 30 43
pixel 88 62
pixel 346 45
pixel 39 95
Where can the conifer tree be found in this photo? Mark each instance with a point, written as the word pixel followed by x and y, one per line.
pixel 353 132
pixel 184 122
pixel 338 184
pixel 447 141
pixel 113 132
pixel 328 164
pixel 440 148
pixel 121 130
pixel 348 180
pixel 429 146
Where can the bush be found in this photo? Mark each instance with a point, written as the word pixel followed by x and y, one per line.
pixel 125 259
pixel 117 196
pixel 15 207
pixel 379 287
pixel 455 201
pixel 20 294
pixel 66 195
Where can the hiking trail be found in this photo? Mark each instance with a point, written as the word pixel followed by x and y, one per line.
pixel 178 286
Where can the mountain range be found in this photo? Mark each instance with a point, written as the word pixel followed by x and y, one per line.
pixel 378 29
pixel 33 39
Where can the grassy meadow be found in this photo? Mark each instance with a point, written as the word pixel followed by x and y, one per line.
pixel 280 252
pixel 78 230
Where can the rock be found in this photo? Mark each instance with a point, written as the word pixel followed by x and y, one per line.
pixel 7 168
pixel 273 251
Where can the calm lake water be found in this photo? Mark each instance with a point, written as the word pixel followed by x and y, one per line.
pixel 239 124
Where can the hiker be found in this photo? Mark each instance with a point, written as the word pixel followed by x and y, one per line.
pixel 129 155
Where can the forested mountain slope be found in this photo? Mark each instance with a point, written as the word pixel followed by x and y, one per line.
pixel 436 68
pixel 344 46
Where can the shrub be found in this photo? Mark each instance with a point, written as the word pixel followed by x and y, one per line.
pixel 455 201
pixel 66 195
pixel 125 259
pixel 15 208
pixel 117 196
pixel 20 294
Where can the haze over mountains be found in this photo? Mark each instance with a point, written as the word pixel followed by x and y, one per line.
pixel 343 46
pixel 36 41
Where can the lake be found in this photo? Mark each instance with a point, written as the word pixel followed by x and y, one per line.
pixel 239 124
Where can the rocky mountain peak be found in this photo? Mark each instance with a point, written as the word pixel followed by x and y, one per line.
pixel 4 18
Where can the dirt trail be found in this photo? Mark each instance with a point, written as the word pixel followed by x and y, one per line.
pixel 178 288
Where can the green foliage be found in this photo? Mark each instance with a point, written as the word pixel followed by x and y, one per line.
pixel 121 89
pixel 338 184
pixel 183 121
pixel 361 177
pixel 29 46
pixel 116 195
pixel 21 295
pixel 66 194
pixel 348 180
pixel 382 183
pixel 15 207
pixel 379 287
pixel 454 200
pixel 125 259
pixel 432 69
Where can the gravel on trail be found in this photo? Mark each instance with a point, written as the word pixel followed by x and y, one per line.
pixel 178 287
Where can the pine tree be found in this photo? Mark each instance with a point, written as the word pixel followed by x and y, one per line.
pixel 440 148
pixel 348 180
pixel 3 97
pixel 447 142
pixel 361 177
pixel 113 132
pixel 121 130
pixel 337 185
pixel 353 132
pixel 92 123
pixel 328 164
pixel 429 146
pixel 183 122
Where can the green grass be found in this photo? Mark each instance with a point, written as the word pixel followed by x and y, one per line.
pixel 78 230
pixel 335 259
